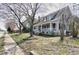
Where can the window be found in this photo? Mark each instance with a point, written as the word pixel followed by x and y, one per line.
pixel 43 26
pixel 54 16
pixel 39 28
pixel 34 27
pixel 48 25
pixel 54 25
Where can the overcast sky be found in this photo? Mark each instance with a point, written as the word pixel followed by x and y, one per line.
pixel 52 7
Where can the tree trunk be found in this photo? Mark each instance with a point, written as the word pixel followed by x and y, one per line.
pixel 62 28
pixel 62 33
pixel 31 30
pixel 20 29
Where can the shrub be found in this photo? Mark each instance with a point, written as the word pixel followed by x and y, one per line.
pixel 25 30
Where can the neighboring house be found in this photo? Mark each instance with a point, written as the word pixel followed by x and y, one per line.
pixel 12 25
pixel 50 24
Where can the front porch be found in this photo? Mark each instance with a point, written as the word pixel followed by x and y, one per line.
pixel 47 28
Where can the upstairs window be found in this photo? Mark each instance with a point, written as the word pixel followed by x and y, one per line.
pixel 53 17
pixel 34 27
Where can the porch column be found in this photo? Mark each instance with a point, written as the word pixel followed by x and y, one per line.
pixel 50 26
pixel 57 26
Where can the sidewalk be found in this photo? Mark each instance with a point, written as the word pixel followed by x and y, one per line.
pixel 10 46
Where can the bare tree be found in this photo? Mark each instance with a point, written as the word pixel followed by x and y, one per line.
pixel 28 9
pixel 62 27
pixel 31 10
pixel 16 12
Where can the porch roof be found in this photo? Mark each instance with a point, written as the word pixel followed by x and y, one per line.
pixel 45 22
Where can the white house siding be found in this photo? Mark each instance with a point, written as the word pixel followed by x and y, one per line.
pixel 46 31
pixel 53 19
pixel 49 30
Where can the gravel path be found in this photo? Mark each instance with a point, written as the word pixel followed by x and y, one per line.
pixel 11 48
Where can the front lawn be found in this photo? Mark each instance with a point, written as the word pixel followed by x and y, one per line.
pixel 72 41
pixel 19 38
pixel 48 45
pixel 1 45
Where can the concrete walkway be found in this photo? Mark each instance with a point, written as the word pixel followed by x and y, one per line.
pixel 1 34
pixel 11 48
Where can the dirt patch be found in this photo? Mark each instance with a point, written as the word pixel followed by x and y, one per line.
pixel 46 46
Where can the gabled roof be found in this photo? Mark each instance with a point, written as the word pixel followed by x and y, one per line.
pixel 66 11
pixel 55 14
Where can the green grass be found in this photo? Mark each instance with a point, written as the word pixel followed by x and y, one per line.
pixel 19 38
pixel 1 45
pixel 76 42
